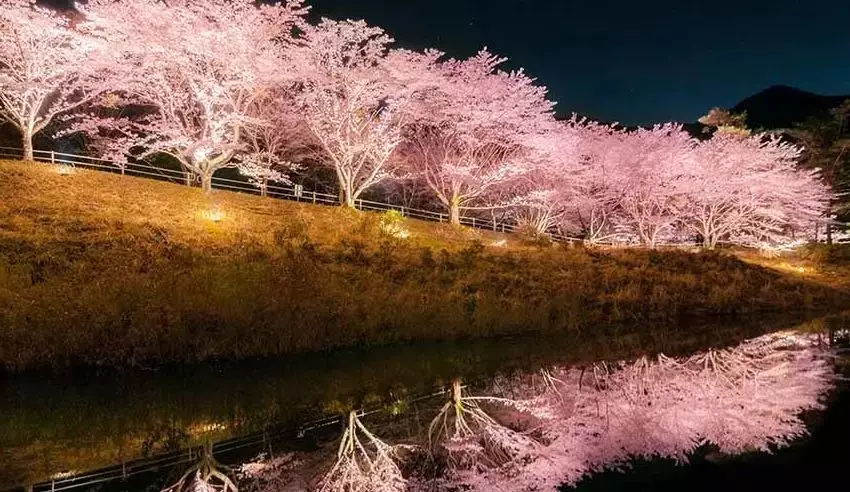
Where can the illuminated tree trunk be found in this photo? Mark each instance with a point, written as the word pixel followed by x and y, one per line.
pixel 27 144
pixel 347 198
pixel 454 211
pixel 347 194
pixel 206 182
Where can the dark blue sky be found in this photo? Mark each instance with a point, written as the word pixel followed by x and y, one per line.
pixel 635 62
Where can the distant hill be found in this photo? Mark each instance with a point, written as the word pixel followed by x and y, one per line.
pixel 780 106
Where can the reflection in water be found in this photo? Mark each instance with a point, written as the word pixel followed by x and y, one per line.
pixel 464 436
pixel 205 476
pixel 77 423
pixel 541 430
pixel 359 468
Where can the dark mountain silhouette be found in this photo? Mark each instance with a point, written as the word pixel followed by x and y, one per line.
pixel 781 106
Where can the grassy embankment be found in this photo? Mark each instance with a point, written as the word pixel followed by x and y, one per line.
pixel 109 270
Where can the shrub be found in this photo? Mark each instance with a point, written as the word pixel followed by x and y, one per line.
pixel 530 235
pixel 392 224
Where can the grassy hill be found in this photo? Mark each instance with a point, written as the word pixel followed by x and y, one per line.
pixel 101 269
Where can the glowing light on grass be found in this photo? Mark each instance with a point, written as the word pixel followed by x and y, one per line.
pixel 501 243
pixel 213 215
pixel 793 268
pixel 772 250
pixel 206 427
pixel 65 169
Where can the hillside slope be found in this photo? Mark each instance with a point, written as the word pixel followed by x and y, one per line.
pixel 109 270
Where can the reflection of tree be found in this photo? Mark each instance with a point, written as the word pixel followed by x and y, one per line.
pixel 738 399
pixel 363 462
pixel 467 437
pixel 112 416
pixel 556 426
pixel 205 476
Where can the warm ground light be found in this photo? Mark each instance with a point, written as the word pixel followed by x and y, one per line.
pixel 104 269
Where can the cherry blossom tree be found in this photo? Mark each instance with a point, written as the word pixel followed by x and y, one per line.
pixel 192 69
pixel 657 184
pixel 568 188
pixel 724 120
pixel 46 68
pixel 470 134
pixel 277 140
pixel 650 162
pixel 748 189
pixel 595 213
pixel 353 100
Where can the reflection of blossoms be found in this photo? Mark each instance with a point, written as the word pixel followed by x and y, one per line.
pixel 264 473
pixel 470 440
pixel 363 463
pixel 561 424
pixel 739 399
pixel 205 476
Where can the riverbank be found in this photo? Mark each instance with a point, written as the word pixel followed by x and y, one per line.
pixel 106 270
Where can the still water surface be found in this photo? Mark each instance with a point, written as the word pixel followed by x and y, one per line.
pixel 57 426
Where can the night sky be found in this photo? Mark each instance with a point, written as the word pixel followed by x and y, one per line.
pixel 635 62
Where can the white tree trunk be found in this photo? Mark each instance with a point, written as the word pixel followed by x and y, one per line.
pixel 454 212
pixel 346 194
pixel 206 182
pixel 27 144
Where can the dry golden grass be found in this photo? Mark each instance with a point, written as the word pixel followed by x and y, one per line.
pixel 34 194
pixel 97 268
pixel 822 264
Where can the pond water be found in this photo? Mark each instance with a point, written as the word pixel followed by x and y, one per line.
pixel 139 430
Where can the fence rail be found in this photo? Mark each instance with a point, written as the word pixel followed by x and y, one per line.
pixel 257 442
pixel 290 193
pixel 273 191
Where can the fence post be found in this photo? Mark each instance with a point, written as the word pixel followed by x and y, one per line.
pixel 314 197
pixel 473 222
pixel 360 203
pixel 52 157
pixel 402 210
